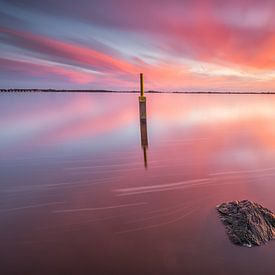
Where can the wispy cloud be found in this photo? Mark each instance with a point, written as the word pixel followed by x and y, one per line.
pixel 105 44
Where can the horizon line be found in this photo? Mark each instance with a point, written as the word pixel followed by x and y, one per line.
pixel 131 91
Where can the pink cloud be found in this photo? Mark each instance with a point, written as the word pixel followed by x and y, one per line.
pixel 68 52
pixel 36 70
pixel 186 37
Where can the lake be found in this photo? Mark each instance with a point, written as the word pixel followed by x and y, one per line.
pixel 80 192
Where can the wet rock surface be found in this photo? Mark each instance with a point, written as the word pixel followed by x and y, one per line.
pixel 247 223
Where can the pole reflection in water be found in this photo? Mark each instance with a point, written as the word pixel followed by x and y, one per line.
pixel 143 121
pixel 144 139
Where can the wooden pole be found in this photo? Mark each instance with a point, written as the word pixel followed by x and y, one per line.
pixel 142 100
pixel 141 85
pixel 143 121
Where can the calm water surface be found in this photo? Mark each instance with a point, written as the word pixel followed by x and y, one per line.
pixel 76 196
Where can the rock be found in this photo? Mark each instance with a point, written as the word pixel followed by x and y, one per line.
pixel 247 223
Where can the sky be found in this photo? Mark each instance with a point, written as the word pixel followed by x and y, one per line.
pixel 179 45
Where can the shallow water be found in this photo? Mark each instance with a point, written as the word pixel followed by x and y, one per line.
pixel 76 196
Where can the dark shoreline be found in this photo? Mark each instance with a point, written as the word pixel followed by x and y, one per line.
pixel 127 92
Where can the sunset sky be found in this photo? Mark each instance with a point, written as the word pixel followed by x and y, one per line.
pixel 104 44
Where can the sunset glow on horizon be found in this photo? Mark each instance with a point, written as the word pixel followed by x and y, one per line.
pixel 100 44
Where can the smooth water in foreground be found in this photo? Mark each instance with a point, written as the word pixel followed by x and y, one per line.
pixel 76 197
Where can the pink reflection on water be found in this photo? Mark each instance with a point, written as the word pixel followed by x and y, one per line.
pixel 202 150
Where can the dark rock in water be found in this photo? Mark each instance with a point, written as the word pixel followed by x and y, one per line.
pixel 247 223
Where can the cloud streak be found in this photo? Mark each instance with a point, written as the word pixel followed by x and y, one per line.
pixel 177 44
